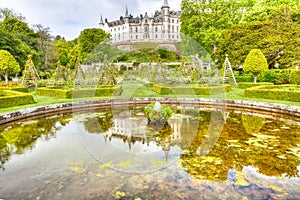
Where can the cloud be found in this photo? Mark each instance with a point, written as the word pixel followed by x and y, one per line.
pixel 68 18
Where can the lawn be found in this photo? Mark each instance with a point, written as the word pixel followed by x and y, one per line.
pixel 135 89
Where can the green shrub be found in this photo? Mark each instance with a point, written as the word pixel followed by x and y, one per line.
pixel 80 93
pixel 244 78
pixel 295 77
pixel 275 92
pixel 276 76
pixel 190 89
pixel 244 85
pixel 10 98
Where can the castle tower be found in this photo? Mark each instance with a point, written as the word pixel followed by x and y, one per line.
pixel 101 23
pixel 165 9
pixel 126 18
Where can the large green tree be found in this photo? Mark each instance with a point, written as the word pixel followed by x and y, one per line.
pixel 89 39
pixel 255 63
pixel 278 41
pixel 204 21
pixel 8 64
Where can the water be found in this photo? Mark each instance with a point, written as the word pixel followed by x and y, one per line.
pixel 117 155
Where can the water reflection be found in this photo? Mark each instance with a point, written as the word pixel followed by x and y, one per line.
pixel 19 137
pixel 254 153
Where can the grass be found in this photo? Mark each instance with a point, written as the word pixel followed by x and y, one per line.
pixel 135 89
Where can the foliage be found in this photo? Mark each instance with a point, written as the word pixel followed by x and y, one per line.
pixel 276 76
pixel 278 41
pixel 278 92
pixel 8 64
pixel 245 85
pixel 295 77
pixel 158 116
pixel 204 21
pixel 9 98
pixel 263 10
pixel 89 39
pixel 255 63
pixel 62 50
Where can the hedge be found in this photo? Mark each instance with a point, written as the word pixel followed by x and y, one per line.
pixel 244 78
pixel 295 77
pixel 276 76
pixel 80 93
pixel 9 98
pixel 18 89
pixel 245 85
pixel 190 89
pixel 275 92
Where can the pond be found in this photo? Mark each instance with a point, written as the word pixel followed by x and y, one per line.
pixel 202 153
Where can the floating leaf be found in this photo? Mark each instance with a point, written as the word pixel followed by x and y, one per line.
pixel 99 175
pixel 120 194
pixel 125 163
pixel 107 165
pixel 76 169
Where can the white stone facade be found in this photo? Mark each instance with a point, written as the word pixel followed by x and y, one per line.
pixel 163 27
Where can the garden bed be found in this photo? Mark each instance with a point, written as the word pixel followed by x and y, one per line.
pixel 275 92
pixel 9 98
pixel 193 89
pixel 18 88
pixel 62 93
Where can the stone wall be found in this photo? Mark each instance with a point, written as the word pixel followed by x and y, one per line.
pixel 220 104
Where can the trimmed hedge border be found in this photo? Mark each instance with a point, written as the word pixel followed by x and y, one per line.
pixel 245 85
pixel 218 104
pixel 58 92
pixel 191 89
pixel 274 92
pixel 18 89
pixel 14 98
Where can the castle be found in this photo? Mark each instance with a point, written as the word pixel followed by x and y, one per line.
pixel 163 28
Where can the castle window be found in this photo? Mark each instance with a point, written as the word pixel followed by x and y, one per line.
pixel 136 29
pixel 156 29
pixel 172 20
pixel 146 29
pixel 177 21
pixel 136 37
pixel 155 36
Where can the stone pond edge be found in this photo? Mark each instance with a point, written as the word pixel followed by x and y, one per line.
pixel 90 105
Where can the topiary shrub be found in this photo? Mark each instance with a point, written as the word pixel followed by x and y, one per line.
pixel 255 63
pixel 295 77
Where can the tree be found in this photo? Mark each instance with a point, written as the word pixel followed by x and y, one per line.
pixel 204 21
pixel 89 39
pixel 8 13
pixel 279 42
pixel 62 50
pixel 46 45
pixel 8 64
pixel 264 9
pixel 255 63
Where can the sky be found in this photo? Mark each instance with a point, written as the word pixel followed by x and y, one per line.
pixel 68 17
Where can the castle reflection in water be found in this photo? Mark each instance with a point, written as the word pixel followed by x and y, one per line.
pixel 136 129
